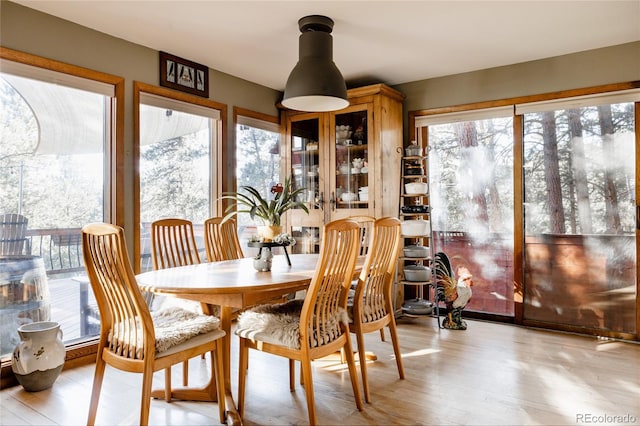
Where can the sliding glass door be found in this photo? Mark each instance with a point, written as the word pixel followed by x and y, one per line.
pixel 580 216
pixel 471 187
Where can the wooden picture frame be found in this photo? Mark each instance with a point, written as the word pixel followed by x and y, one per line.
pixel 184 75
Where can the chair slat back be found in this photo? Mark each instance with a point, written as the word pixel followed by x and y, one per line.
pixel 326 301
pixel 13 231
pixel 365 224
pixel 373 296
pixel 221 240
pixel 173 243
pixel 126 327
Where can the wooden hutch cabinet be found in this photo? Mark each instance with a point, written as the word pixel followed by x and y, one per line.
pixel 347 160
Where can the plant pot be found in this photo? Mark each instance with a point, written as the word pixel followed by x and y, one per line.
pixel 268 233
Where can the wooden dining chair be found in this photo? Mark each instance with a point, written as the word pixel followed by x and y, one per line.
pixel 221 239
pixel 305 330
pixel 173 243
pixel 365 225
pixel 372 308
pixel 131 337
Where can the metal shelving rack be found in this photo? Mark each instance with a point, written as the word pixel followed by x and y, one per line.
pixel 414 206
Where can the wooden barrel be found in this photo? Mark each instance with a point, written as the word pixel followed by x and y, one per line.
pixel 24 297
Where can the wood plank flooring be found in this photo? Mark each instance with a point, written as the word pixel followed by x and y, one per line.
pixel 490 374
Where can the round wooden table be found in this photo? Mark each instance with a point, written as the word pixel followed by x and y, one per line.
pixel 229 284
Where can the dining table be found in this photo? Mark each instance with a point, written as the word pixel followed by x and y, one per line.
pixel 233 285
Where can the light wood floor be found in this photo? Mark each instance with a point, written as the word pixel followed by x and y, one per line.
pixel 490 374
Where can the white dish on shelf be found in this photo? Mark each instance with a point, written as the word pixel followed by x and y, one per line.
pixel 364 196
pixel 415 228
pixel 349 196
pixel 416 188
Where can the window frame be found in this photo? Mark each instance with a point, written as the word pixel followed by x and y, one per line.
pixel 84 352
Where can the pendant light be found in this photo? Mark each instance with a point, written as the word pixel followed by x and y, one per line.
pixel 315 83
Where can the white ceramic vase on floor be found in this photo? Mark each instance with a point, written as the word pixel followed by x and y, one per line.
pixel 39 357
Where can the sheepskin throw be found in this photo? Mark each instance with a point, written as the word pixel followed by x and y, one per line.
pixel 173 326
pixel 279 324
pixel 176 325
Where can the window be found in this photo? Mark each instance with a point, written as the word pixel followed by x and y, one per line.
pixel 55 157
pixel 177 165
pixel 257 160
pixel 471 196
pixel 580 212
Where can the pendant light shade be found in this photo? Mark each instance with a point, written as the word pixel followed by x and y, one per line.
pixel 315 83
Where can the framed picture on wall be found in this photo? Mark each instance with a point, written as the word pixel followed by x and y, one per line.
pixel 184 75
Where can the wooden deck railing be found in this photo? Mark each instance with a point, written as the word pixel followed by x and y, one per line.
pixel 60 248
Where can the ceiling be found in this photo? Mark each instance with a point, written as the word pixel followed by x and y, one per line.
pixel 374 41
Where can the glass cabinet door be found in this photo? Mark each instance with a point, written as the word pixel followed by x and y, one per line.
pixel 350 163
pixel 306 160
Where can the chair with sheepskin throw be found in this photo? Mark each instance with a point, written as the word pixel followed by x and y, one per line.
pixel 305 330
pixel 372 307
pixel 173 243
pixel 131 337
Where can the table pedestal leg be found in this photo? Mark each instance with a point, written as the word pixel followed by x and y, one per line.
pixel 233 417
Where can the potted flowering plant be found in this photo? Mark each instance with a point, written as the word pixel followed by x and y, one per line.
pixel 269 211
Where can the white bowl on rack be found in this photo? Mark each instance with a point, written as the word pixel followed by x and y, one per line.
pixel 415 228
pixel 416 188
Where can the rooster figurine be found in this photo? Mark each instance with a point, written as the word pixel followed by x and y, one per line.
pixel 455 293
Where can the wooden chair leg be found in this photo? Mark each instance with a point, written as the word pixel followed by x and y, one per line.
pixel 352 371
pixel 167 384
pixel 292 375
pixel 185 373
pixel 308 387
pixel 217 365
pixel 396 347
pixel 363 366
pixel 382 334
pixel 98 377
pixel 243 364
pixel 145 402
